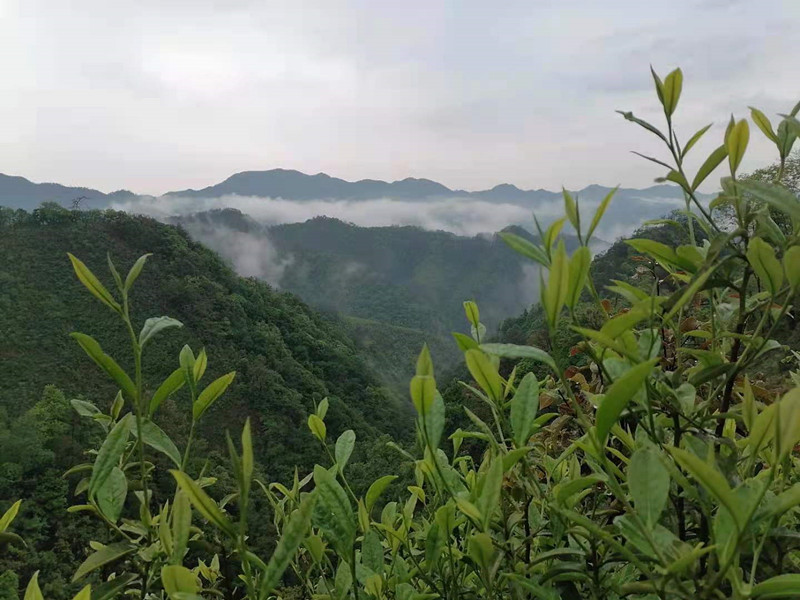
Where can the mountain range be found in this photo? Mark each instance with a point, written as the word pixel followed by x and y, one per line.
pixel 18 192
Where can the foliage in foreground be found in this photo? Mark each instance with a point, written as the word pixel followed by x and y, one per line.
pixel 683 482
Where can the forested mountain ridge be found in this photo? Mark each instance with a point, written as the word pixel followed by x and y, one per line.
pixel 285 355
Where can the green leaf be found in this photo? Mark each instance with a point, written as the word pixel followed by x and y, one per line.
pixel 666 256
pixel 432 422
pixel 170 385
pixel 84 594
pixel 711 480
pixel 178 580
pixel 712 162
pixel 489 499
pixel 292 536
pixel 525 248
pixel 317 427
pixel 111 588
pixel 780 586
pixel 105 556
pixel 578 273
pixel 791 266
pixel 344 448
pixel 694 139
pixel 97 289
pixel 154 325
pixel 136 269
pixel 776 196
pixel 109 454
pixel 372 552
pixel 789 422
pixel 204 504
pixel 114 272
pixel 555 292
pixel 630 117
pixel 565 490
pixel 760 119
pixel 481 550
pixel 618 395
pixel 209 395
pixel 473 315
pixel 485 374
pixel 736 144
pixel 673 84
pixel 524 406
pixel 32 592
pixel 784 501
pixel 598 215
pixel 761 257
pixel 689 293
pixel 181 526
pixel 84 409
pixel 571 208
pixel 154 436
pixel 105 362
pixel 111 494
pixel 423 392
pixel 200 364
pixel 648 482
pixel 464 341
pixel 333 514
pixel 376 489
pixel 248 462
pixel 424 362
pixel 515 351
pixel 9 515
pixel 552 232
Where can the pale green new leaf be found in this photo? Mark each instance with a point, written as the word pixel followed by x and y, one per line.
pixel 578 273
pixel 618 395
pixel 111 494
pixel 344 448
pixel 105 362
pixel 97 289
pixel 32 592
pixel 291 538
pixel 761 257
pixel 170 385
pixel 136 269
pixel 489 499
pixel 204 504
pixel 598 215
pixel 485 374
pixel 780 586
pixel 154 325
pixel 524 406
pixel 516 351
pixel 109 454
pixel 522 246
pixel 156 438
pixel 776 196
pixel 181 525
pixel 9 515
pixel 712 162
pixel 648 482
pixel 333 513
pixel 376 489
pixel 178 580
pixel 209 395
pixel 105 556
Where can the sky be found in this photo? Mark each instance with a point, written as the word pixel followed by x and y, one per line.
pixel 161 95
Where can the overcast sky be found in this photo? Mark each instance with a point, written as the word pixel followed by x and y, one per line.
pixel 156 95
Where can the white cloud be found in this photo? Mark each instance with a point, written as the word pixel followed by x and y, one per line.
pixel 155 96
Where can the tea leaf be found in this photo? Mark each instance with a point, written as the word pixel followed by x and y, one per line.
pixel 135 271
pixel 91 283
pixel 154 436
pixel 105 556
pixel 204 504
pixel 105 362
pixel 712 162
pixel 598 215
pixel 761 257
pixel 736 143
pixel 209 395
pixel 484 373
pixel 181 524
pixel 489 499
pixel 578 272
pixel 178 580
pixel 170 385
pixel 111 494
pixel 154 325
pixel 333 514
pixel 648 482
pixel 524 406
pixel 9 515
pixel 344 448
pixel 292 536
pixel 109 454
pixel 525 248
pixel 515 351
pixel 780 586
pixel 32 592
pixel 618 395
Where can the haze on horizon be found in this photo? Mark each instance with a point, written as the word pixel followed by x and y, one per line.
pixel 154 96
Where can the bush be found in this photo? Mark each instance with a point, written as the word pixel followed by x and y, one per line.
pixel 681 480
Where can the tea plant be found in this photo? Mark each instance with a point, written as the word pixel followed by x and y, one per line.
pixel 681 481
